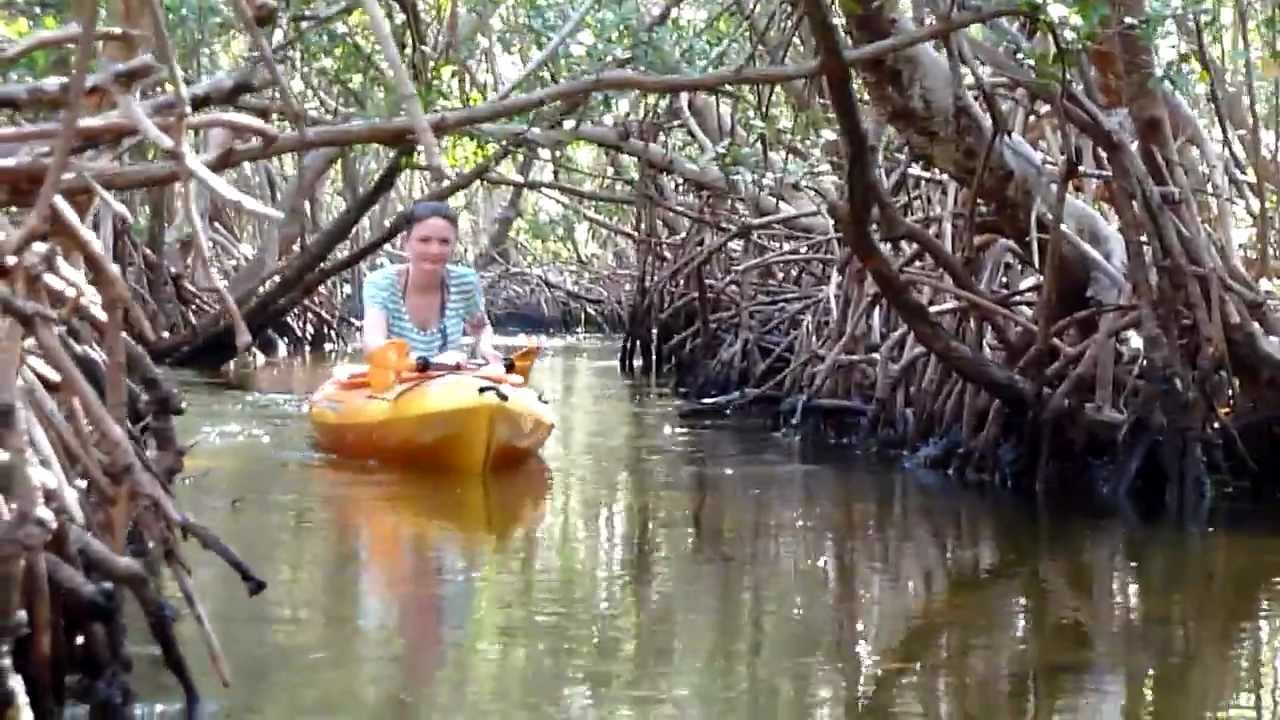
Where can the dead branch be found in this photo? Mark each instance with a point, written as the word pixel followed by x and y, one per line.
pixel 37 220
pixel 549 51
pixel 42 39
pixel 53 94
pixel 408 95
pixel 291 104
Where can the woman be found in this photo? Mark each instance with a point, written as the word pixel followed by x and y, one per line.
pixel 427 301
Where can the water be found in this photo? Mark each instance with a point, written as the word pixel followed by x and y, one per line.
pixel 654 568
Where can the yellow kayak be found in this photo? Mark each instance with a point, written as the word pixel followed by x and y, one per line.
pixel 464 421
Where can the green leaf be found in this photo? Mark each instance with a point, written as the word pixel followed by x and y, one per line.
pixel 16 28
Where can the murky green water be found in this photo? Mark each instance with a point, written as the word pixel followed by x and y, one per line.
pixel 660 569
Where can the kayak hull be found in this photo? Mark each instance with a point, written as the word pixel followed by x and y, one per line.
pixel 454 422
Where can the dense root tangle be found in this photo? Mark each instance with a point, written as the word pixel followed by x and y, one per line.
pixel 1020 279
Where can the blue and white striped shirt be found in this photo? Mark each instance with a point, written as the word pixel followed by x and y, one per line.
pixel 465 305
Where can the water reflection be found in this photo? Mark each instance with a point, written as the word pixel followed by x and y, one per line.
pixel 420 537
pixel 478 511
pixel 650 567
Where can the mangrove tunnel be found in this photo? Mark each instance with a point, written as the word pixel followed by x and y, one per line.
pixel 1026 247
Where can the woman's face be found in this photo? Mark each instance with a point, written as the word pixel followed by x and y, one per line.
pixel 430 244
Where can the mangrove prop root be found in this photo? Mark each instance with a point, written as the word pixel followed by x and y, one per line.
pixel 94 601
pixel 211 542
pixel 968 331
pixel 182 575
pixel 110 423
pixel 159 614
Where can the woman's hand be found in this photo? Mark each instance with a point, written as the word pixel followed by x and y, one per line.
pixel 479 328
pixel 450 357
pixel 487 352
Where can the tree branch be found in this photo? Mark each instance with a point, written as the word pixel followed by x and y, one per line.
pixel 53 94
pixel 549 51
pixel 855 223
pixel 291 104
pixel 616 198
pixel 38 219
pixel 40 40
pixel 401 130
pixel 408 95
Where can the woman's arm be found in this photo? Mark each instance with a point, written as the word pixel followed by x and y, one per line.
pixel 478 325
pixel 479 328
pixel 374 329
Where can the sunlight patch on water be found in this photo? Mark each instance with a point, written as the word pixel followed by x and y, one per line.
pixel 232 433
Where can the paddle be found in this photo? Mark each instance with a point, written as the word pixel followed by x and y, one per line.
pixel 386 362
pixel 521 361
pixel 392 358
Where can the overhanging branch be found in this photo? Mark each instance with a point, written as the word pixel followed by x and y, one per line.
pixel 16 173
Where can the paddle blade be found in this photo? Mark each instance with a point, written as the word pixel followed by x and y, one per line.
pixel 386 362
pixel 392 355
pixel 381 379
pixel 524 359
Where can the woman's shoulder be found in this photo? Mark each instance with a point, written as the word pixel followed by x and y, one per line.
pixel 463 275
pixel 385 275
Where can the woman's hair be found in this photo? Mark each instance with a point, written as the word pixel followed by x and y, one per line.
pixel 427 209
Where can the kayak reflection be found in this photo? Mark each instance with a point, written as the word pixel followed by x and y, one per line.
pixel 389 502
pixel 423 539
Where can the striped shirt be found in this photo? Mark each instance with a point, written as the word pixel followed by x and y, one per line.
pixel 465 304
